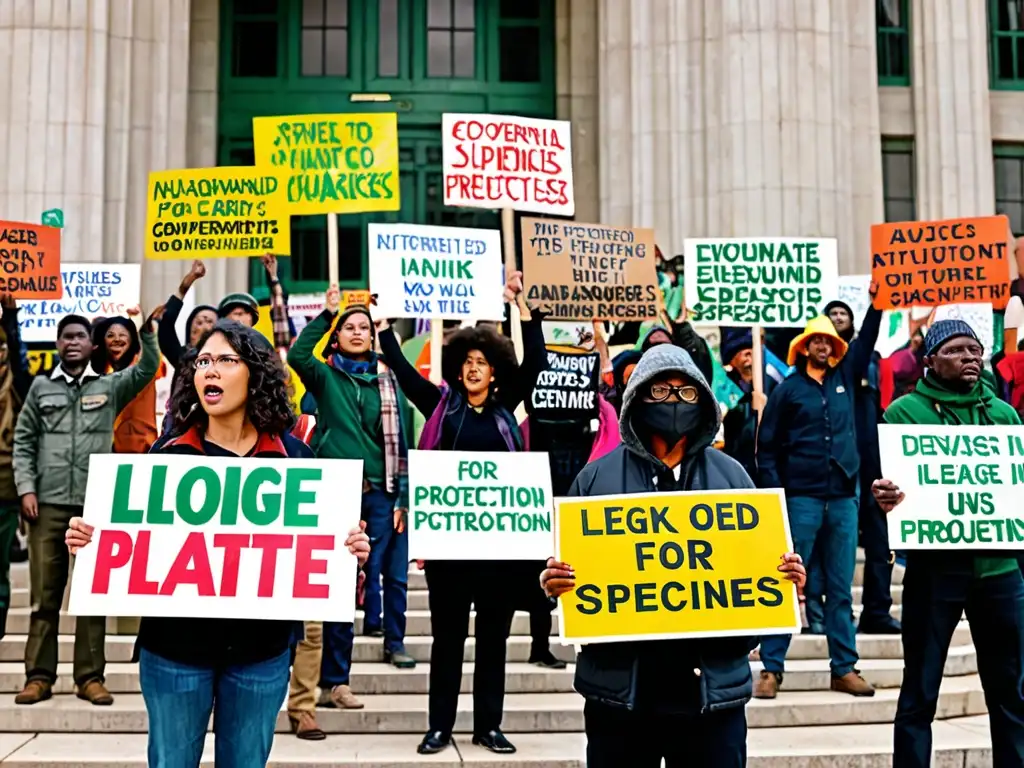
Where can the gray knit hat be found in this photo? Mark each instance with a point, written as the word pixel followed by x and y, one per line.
pixel 943 331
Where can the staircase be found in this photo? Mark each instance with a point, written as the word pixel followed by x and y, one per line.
pixel 807 726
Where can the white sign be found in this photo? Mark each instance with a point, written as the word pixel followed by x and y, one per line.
pixel 479 506
pixel 774 282
pixel 894 334
pixel 90 290
pixel 978 316
pixel 963 486
pixel 246 538
pixel 501 161
pixel 447 273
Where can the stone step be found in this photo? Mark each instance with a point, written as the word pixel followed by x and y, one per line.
pixel 524 712
pixel 962 741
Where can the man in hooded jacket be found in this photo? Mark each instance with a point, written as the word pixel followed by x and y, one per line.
pixel 677 700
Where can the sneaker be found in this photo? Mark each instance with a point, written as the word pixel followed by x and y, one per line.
pixel 767 685
pixel 373 631
pixel 305 727
pixel 95 693
pixel 34 692
pixel 853 684
pixel 546 660
pixel 343 698
pixel 399 659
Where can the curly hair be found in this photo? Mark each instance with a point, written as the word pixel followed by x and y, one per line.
pixel 496 349
pixel 267 405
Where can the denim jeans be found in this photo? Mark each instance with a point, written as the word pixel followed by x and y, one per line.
pixel 933 602
pixel 245 701
pixel 336 661
pixel 832 525
pixel 389 559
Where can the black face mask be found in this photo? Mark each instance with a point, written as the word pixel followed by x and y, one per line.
pixel 670 421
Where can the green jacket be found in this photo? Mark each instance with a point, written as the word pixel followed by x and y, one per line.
pixel 60 426
pixel 932 403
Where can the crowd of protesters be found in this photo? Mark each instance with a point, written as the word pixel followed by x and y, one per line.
pixel 810 428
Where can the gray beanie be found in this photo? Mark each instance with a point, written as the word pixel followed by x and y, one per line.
pixel 943 331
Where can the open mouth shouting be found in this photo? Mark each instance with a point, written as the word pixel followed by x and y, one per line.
pixel 212 394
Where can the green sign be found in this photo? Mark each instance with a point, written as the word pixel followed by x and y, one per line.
pixel 54 218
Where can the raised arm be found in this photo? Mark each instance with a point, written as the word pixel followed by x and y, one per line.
pixel 862 347
pixel 170 344
pixel 535 354
pixel 417 390
pixel 284 330
pixel 17 354
pixel 127 384
pixel 302 355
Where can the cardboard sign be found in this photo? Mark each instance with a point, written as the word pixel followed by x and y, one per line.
pixel 200 213
pixel 675 565
pixel 219 538
pixel 29 260
pixel 479 506
pixel 774 282
pixel 930 263
pixel 589 271
pixel 90 290
pixel 448 273
pixel 962 486
pixel 346 163
pixel 501 161
pixel 568 388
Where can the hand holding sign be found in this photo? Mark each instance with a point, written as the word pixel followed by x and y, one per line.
pixel 332 299
pixel 195 272
pixel 513 286
pixel 887 494
pixel 78 534
pixel 269 262
pixel 557 578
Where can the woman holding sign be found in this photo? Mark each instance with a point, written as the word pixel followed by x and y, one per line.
pixel 230 401
pixel 472 411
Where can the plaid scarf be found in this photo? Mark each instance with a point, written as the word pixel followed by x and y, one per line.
pixel 396 460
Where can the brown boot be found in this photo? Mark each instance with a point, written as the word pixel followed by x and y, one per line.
pixel 34 692
pixel 767 685
pixel 305 727
pixel 343 698
pixel 853 684
pixel 95 693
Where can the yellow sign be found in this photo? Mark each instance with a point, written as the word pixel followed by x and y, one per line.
pixel 675 565
pixel 345 163
pixel 200 213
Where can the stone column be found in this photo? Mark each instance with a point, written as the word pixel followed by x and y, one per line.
pixel 950 84
pixel 741 117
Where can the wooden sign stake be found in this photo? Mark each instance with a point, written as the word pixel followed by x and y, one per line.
pixel 758 362
pixel 436 347
pixel 332 249
pixel 508 239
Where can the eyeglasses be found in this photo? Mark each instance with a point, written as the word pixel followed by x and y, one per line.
pixel 222 363
pixel 661 392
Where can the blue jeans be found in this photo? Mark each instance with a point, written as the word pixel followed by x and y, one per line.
pixel 389 558
pixel 836 522
pixel 336 661
pixel 245 701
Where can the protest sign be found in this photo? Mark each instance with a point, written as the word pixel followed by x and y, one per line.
pixel 237 538
pixel 345 163
pixel 90 290
pixel 978 316
pixel 930 263
pixel 774 282
pixel 854 290
pixel 589 271
pixel 568 388
pixel 962 483
pixel 447 273
pixel 675 565
pixel 501 161
pixel 479 506
pixel 566 333
pixel 29 260
pixel 198 213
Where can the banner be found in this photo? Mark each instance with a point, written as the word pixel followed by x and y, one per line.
pixel 961 484
pixel 501 161
pixel 930 263
pixel 568 388
pixel 90 290
pixel 589 271
pixel 345 163
pixel 201 213
pixel 774 282
pixel 448 273
pixel 29 260
pixel 675 565
pixel 479 506
pixel 218 538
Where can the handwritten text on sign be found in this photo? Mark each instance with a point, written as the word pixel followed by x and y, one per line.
pixel 569 384
pixel 773 281
pixel 225 538
pixel 693 564
pixel 589 271
pixel 90 290
pixel 499 161
pixel 930 263
pixel 479 506
pixel 345 163
pixel 207 212
pixel 29 260
pixel 963 486
pixel 448 273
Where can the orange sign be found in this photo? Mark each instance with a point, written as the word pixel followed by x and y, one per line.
pixel 931 263
pixel 30 261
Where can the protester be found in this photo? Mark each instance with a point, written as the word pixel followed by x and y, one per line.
pixel 67 417
pixel 472 411
pixel 241 307
pixel 677 700
pixel 740 423
pixel 200 320
pixel 15 381
pixel 939 587
pixel 807 445
pixel 231 402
